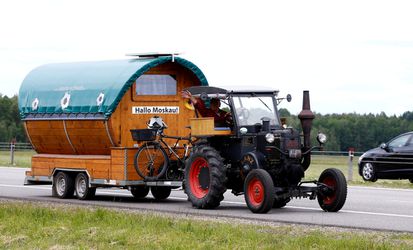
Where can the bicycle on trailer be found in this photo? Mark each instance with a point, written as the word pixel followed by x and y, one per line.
pixel 152 162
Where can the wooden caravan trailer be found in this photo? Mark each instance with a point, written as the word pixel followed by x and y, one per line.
pixel 78 117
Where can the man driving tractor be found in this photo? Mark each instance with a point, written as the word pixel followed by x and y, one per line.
pixel 221 117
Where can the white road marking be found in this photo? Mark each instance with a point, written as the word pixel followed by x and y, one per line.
pixel 228 202
pixel 379 214
pixel 401 201
pixel 21 186
pixel 14 168
pixel 380 188
pixel 358 212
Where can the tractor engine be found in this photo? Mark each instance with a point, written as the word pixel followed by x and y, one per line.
pixel 286 158
pixel 282 151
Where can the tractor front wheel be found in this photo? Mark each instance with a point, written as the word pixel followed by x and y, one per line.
pixel 333 192
pixel 205 177
pixel 259 191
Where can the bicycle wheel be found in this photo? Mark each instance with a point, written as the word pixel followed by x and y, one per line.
pixel 151 161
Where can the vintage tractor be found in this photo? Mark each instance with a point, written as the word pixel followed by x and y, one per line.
pixel 256 155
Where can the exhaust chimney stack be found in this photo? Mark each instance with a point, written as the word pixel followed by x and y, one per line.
pixel 306 117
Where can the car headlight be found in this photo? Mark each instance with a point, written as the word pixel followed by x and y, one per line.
pixel 270 137
pixel 321 138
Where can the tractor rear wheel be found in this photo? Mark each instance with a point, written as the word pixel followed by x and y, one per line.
pixel 160 193
pixel 205 177
pixel 259 191
pixel 333 199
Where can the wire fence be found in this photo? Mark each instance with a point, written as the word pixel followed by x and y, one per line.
pixel 21 146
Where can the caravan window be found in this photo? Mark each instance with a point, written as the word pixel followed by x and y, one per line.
pixel 156 85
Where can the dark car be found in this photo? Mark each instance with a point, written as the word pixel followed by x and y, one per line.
pixel 392 160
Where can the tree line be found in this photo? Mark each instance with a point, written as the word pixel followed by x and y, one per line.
pixel 358 131
pixel 10 125
pixel 344 131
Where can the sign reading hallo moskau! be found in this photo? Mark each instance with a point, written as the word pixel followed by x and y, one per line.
pixel 140 110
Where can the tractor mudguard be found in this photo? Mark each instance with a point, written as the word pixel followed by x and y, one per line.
pixel 252 160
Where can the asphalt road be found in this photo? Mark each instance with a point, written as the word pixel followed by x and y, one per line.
pixel 365 208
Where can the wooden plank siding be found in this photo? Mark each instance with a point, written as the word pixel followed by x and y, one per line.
pixel 119 157
pixel 98 166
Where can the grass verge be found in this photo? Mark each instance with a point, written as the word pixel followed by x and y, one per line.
pixel 28 226
pixel 320 162
pixel 21 158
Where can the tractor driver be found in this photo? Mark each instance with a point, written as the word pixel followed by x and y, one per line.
pixel 221 117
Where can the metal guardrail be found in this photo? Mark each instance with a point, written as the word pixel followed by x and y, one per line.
pixel 337 153
pixel 6 146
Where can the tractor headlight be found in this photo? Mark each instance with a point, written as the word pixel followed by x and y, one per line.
pixel 270 137
pixel 321 138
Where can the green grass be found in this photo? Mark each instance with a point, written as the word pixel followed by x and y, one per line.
pixel 31 226
pixel 320 162
pixel 21 158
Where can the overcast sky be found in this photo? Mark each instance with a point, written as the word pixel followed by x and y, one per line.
pixel 353 56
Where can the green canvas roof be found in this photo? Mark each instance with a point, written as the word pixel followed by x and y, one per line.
pixel 44 90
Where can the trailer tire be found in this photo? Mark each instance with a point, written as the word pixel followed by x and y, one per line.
pixel 335 199
pixel 205 177
pixel 161 193
pixel 63 185
pixel 82 189
pixel 139 192
pixel 259 191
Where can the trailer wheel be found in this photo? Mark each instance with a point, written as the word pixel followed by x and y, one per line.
pixel 205 177
pixel 259 191
pixel 160 193
pixel 333 199
pixel 139 192
pixel 82 189
pixel 63 185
